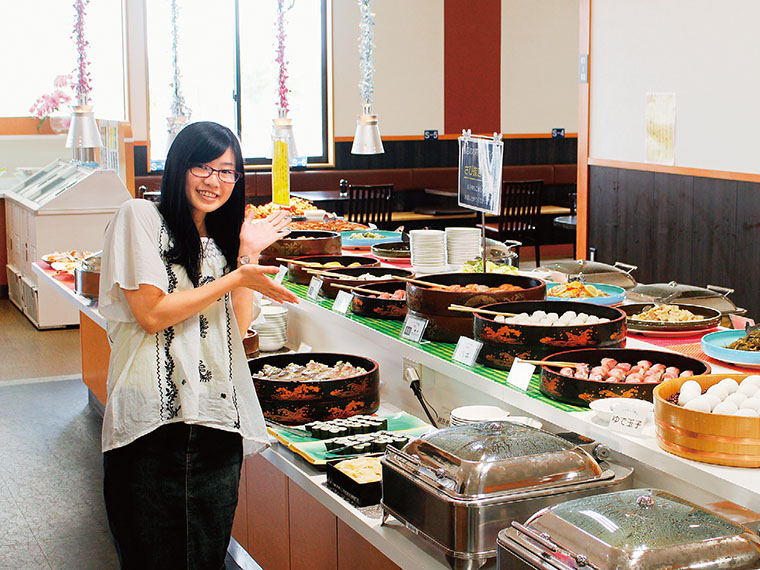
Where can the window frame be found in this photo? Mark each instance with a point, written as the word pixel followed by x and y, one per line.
pixel 327 159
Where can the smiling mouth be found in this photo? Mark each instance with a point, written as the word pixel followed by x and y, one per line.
pixel 207 194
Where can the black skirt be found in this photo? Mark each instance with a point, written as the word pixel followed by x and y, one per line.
pixel 171 496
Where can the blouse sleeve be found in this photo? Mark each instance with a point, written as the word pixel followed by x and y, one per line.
pixel 131 257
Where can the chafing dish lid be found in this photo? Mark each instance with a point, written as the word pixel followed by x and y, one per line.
pixel 645 528
pixel 715 297
pixel 594 271
pixel 500 457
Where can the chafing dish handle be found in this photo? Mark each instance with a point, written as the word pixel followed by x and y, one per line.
pixel 542 538
pixel 628 268
pixel 390 450
pixel 725 291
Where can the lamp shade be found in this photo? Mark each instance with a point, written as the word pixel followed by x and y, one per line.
pixel 83 131
pixel 282 130
pixel 367 138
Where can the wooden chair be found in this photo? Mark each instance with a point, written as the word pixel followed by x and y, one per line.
pixel 369 204
pixel 520 211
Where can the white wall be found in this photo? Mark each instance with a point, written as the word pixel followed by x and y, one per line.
pixel 539 66
pixel 409 66
pixel 705 52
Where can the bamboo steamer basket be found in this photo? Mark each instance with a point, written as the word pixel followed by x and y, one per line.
pixel 709 438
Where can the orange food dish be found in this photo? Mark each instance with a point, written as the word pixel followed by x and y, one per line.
pixel 297 208
pixel 331 226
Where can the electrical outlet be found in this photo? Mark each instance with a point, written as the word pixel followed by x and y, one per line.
pixel 414 370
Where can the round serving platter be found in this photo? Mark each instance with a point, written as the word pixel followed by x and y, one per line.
pixel 714 345
pixel 710 319
pixel 614 295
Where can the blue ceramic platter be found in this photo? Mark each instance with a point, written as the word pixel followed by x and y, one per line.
pixel 714 345
pixel 614 296
pixel 349 243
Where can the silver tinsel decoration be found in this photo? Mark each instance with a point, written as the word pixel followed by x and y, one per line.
pixel 179 111
pixel 366 48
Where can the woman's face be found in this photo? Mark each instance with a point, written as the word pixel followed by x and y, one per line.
pixel 208 194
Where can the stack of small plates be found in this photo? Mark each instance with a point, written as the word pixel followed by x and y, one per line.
pixel 428 251
pixel 462 244
pixel 272 326
pixel 476 414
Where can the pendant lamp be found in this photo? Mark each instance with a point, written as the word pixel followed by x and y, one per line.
pixel 84 135
pixel 367 138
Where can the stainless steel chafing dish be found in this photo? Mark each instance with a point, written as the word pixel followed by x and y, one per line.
pixel 618 274
pixel 635 528
pixel 459 486
pixel 711 296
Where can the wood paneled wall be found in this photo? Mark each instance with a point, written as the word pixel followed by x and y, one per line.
pixel 689 229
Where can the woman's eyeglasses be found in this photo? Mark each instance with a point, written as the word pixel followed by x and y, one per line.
pixel 204 171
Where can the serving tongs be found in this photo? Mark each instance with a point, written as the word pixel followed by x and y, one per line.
pixel 359 289
pixel 289 429
pixel 419 282
pixel 465 309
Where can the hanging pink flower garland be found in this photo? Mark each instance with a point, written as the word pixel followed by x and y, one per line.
pixel 280 60
pixel 83 86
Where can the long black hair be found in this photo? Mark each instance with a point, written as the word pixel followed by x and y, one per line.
pixel 199 143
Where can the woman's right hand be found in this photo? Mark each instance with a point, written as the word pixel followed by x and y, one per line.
pixel 254 277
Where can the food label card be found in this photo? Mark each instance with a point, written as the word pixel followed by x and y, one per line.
pixel 414 328
pixel 281 274
pixel 315 285
pixel 342 302
pixel 520 374
pixel 467 351
pixel 627 419
pixel 303 347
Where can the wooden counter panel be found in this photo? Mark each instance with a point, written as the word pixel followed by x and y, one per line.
pixel 267 505
pixel 95 354
pixel 355 552
pixel 313 532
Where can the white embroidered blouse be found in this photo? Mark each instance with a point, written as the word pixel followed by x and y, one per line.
pixel 193 372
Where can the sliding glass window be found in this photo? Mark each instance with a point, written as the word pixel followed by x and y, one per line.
pixel 228 74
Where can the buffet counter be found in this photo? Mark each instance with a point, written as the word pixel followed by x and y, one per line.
pixel 284 496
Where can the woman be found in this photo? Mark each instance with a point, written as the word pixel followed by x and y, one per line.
pixel 177 289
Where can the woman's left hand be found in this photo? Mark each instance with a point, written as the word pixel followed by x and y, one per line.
pixel 256 235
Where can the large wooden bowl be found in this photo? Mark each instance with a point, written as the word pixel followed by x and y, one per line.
pixel 581 392
pixel 328 289
pixel 300 244
pixel 293 402
pixel 297 272
pixel 369 305
pixel 710 438
pixel 447 326
pixel 502 342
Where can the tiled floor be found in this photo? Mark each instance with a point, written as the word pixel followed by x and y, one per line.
pixel 52 515
pixel 51 505
pixel 26 352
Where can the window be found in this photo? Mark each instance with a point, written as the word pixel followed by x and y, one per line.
pixel 36 43
pixel 239 91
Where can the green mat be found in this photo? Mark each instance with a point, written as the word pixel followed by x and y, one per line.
pixel 443 350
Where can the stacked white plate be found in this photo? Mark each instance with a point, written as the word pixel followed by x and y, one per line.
pixel 428 250
pixel 476 414
pixel 462 244
pixel 272 326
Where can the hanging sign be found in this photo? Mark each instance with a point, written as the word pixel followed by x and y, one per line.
pixel 280 174
pixel 467 351
pixel 414 328
pixel 342 302
pixel 314 286
pixel 480 163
